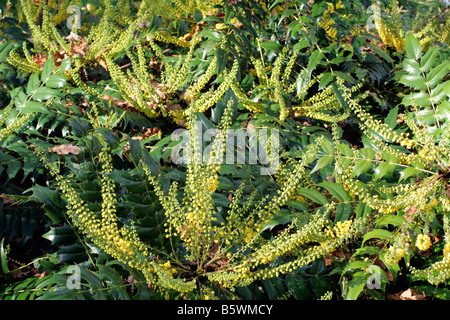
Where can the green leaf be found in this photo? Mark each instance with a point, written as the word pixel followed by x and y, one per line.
pixel 114 281
pixel 45 93
pixel 271 45
pixel 379 51
pixel 325 80
pixel 408 172
pixel 79 126
pixel 314 195
pixel 60 235
pixel 428 117
pixel 366 250
pixel 72 253
pixel 47 70
pixel 343 212
pixel 95 283
pixel 362 166
pixel 362 210
pixel 221 60
pixel 61 294
pixel 429 58
pixel 346 77
pixel 314 60
pixel 3 259
pixel 336 190
pixel 65 65
pixel 390 219
pixel 304 43
pixel 415 81
pixel 438 93
pixel 412 66
pixel 338 95
pixel 34 106
pixel 443 111
pixel 297 205
pixel 356 285
pixel 322 162
pixel 356 265
pixel 32 84
pixel 327 147
pixel 420 99
pixel 29 165
pixel 383 169
pixel 345 149
pixel 273 287
pixel 378 234
pixel 56 81
pixel 298 286
pixel 135 149
pixel 319 285
pixel 391 119
pixel 154 25
pixel 110 137
pixel 412 47
pixel 437 74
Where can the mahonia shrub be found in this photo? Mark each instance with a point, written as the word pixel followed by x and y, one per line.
pixel 360 188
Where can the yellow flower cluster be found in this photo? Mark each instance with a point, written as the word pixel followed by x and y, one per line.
pixel 367 121
pixel 439 271
pixel 398 249
pixel 195 88
pixel 167 38
pixel 425 154
pixel 391 35
pixel 24 65
pixel 327 22
pixel 167 267
pixel 339 229
pixel 394 255
pixel 209 99
pixel 423 242
pixel 17 124
pixel 446 251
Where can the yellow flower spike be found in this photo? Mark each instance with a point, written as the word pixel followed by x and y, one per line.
pixel 423 242
pixel 446 251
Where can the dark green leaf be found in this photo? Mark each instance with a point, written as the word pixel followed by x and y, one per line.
pixel 356 285
pixel 377 234
pixel 3 259
pixel 336 190
pixel 34 106
pixel 412 47
pixel 314 195
pixel 56 81
pixel 271 45
pixel 298 286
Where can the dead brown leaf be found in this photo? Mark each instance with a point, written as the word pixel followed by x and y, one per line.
pixel 73 37
pixel 59 56
pixel 7 200
pixel 394 296
pixel 173 107
pixel 66 149
pixel 409 213
pixel 410 294
pixel 79 48
pixel 39 59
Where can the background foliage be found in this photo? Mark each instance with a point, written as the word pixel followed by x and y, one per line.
pixel 367 87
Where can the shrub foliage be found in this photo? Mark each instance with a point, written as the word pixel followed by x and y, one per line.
pixel 351 202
